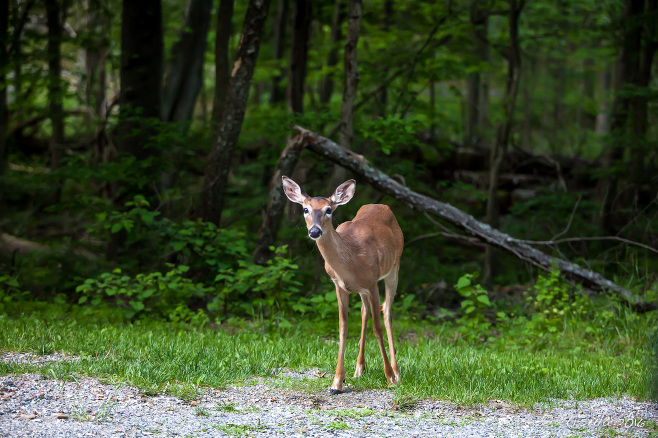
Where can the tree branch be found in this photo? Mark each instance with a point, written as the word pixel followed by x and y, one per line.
pixel 483 232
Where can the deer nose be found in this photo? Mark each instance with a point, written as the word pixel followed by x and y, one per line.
pixel 315 232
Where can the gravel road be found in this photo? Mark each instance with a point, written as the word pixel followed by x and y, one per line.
pixel 34 406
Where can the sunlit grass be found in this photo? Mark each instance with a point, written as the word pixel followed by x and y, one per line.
pixel 163 357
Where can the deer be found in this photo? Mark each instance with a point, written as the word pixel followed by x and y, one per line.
pixel 357 254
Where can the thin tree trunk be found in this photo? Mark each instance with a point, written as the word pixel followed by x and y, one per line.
pixel 55 89
pixel 526 104
pixel 222 75
pixel 433 112
pixel 4 38
pixel 185 70
pixel 299 54
pixel 484 50
pixel 589 81
pixel 351 75
pixel 346 130
pixel 95 84
pixel 277 93
pixel 230 125
pixel 603 116
pixel 503 130
pixel 382 96
pixel 518 248
pixel 472 132
pixel 629 62
pixel 276 202
pixel 327 88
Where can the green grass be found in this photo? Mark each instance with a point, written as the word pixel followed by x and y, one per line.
pixel 163 357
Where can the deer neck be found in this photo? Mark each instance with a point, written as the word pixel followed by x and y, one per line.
pixel 335 249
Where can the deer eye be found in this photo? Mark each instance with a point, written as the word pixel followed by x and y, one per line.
pixel 328 211
pixel 305 210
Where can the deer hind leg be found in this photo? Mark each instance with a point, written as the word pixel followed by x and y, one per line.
pixel 377 330
pixel 361 360
pixel 391 284
pixel 343 301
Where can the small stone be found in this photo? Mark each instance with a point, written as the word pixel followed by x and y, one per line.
pixel 61 416
pixel 194 402
pixel 28 416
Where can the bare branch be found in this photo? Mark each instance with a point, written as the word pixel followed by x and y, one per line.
pixel 587 239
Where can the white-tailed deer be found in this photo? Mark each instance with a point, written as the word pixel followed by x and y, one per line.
pixel 356 255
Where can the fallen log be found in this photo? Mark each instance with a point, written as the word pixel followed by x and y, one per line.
pixel 15 245
pixel 385 184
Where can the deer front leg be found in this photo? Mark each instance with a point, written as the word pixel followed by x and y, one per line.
pixel 361 360
pixel 343 301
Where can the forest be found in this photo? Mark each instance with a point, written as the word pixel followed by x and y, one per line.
pixel 142 145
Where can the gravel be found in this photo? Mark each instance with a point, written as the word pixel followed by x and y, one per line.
pixel 34 406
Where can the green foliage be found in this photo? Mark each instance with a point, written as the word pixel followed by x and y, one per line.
pixel 393 133
pixel 474 322
pixel 552 312
pixel 226 281
pixel 261 289
pixel 10 289
pixel 152 293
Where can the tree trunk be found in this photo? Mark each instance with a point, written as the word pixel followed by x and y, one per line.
pixel 621 137
pixel 327 87
pixel 4 38
pixel 639 102
pixel 276 202
pixel 482 33
pixel 346 130
pixel 95 60
pixel 55 88
pixel 478 18
pixel 585 105
pixel 299 54
pixel 141 75
pixel 526 106
pixel 277 93
pixel 503 130
pixel 222 76
pixel 603 116
pixel 385 184
pixel 221 154
pixel 139 98
pixel 351 75
pixel 185 70
pixel 382 96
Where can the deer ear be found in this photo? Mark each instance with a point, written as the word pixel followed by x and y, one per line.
pixel 293 191
pixel 344 192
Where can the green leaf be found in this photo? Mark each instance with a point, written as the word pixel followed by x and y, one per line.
pixel 178 245
pixel 82 299
pixel 137 305
pixel 116 227
pixel 463 282
pixel 484 299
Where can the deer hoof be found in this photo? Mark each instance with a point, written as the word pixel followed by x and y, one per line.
pixel 333 391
